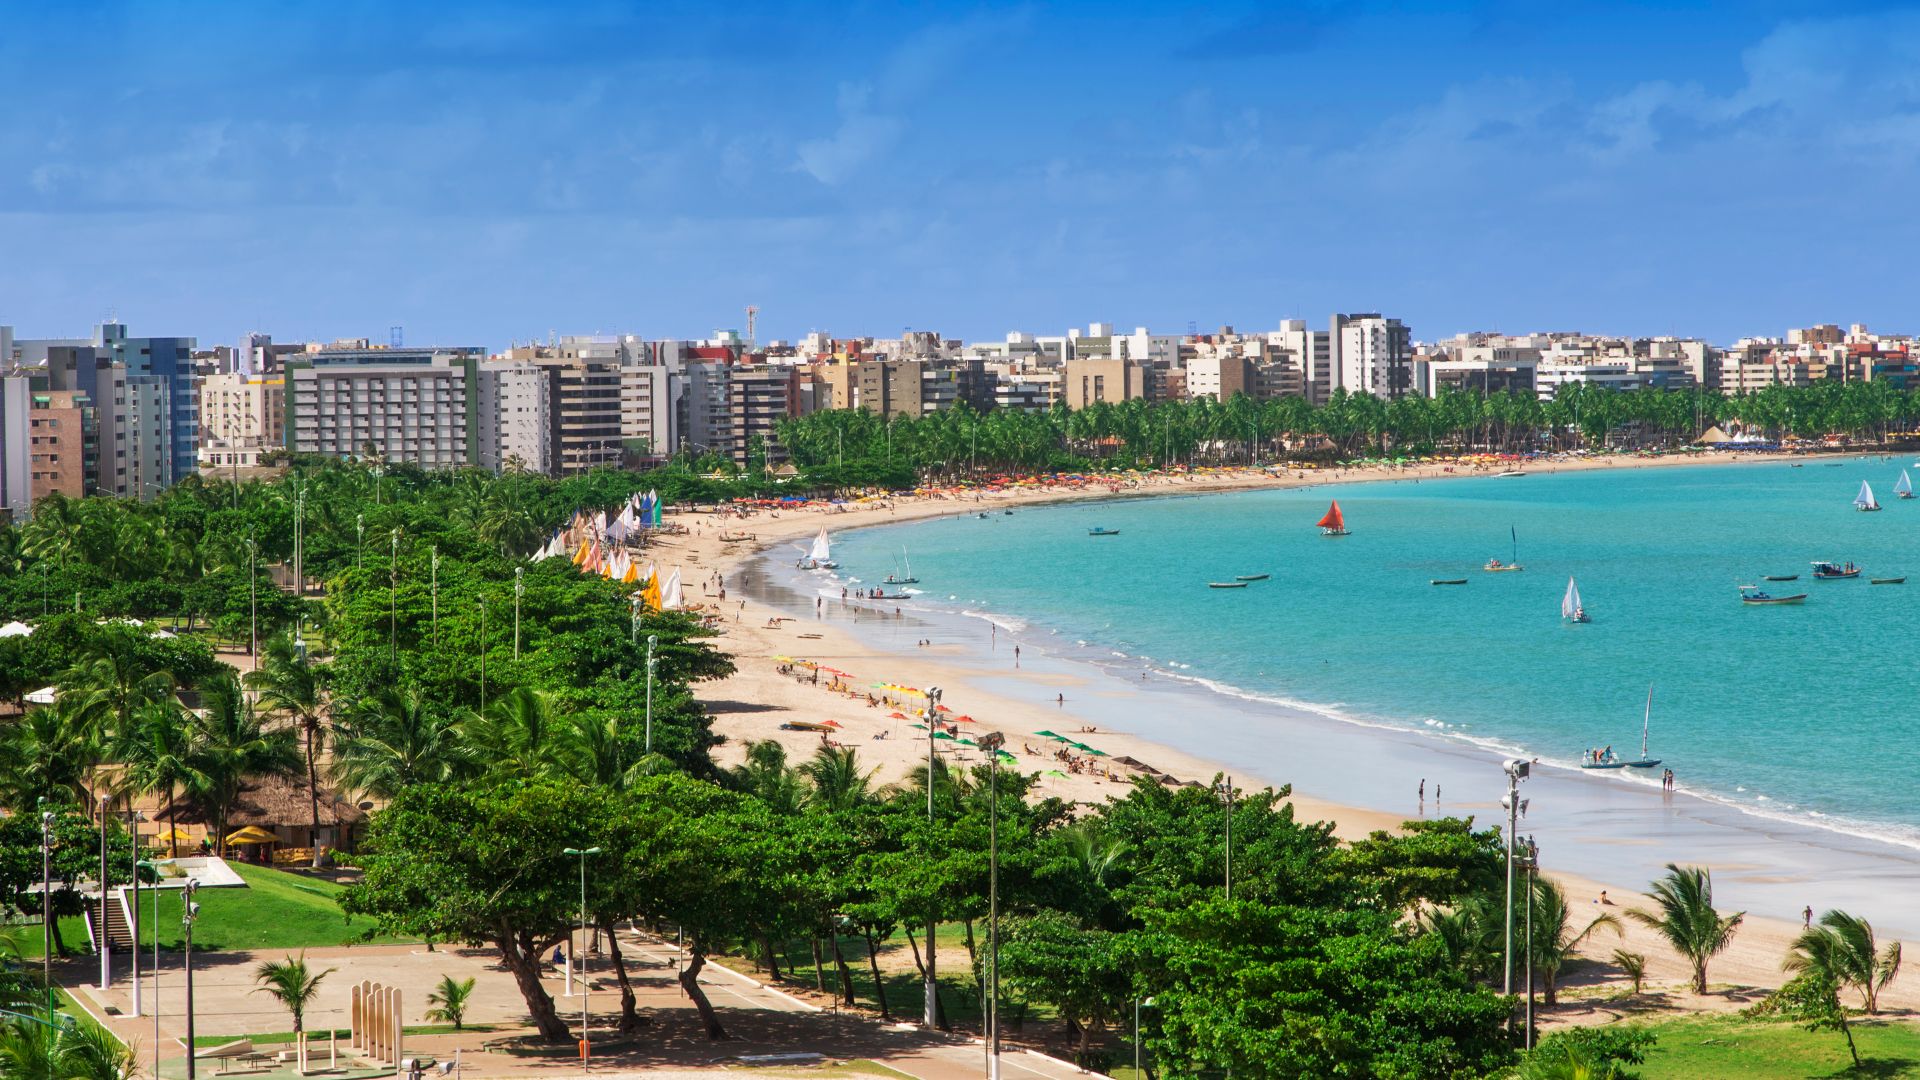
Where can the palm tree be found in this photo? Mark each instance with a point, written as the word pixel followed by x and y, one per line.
pixel 288 684
pixel 1842 948
pixel 154 755
pixel 229 744
pixel 519 735
pixel 1633 965
pixel 86 1051
pixel 1095 851
pixel 113 679
pixel 1554 943
pixel 51 754
pixel 838 783
pixel 395 741
pixel 449 1001
pixel 1688 920
pixel 767 775
pixel 292 984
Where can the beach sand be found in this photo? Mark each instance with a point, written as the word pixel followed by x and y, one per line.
pixel 766 619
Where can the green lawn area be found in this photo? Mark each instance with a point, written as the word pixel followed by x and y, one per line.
pixel 1709 1047
pixel 277 910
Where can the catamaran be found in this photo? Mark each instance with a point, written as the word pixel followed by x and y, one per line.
pixel 1570 606
pixel 1904 488
pixel 1864 500
pixel 1604 759
pixel 1333 524
pixel 820 555
pixel 1495 566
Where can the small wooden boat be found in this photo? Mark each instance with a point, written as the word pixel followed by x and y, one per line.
pixel 1783 577
pixel 1447 581
pixel 1864 501
pixel 1251 577
pixel 1827 571
pixel 1753 594
pixel 1887 581
pixel 1226 584
pixel 890 596
pixel 1508 473
pixel 1096 531
pixel 1333 523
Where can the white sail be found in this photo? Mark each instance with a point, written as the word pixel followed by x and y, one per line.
pixel 1646 721
pixel 1864 500
pixel 670 593
pixel 821 551
pixel 1570 604
pixel 1905 486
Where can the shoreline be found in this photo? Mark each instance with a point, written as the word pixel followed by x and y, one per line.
pixel 1615 824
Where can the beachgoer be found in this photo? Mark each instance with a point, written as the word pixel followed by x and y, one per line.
pixel 1436 794
pixel 1016 656
pixel 1423 789
pixel 1060 700
pixel 1806 917
pixel 1604 902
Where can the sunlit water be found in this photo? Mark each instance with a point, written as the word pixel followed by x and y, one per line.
pixel 1799 712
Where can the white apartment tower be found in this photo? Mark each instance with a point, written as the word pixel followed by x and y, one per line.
pixel 1372 354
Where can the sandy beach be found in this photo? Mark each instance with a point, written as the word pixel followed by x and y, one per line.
pixel 1619 832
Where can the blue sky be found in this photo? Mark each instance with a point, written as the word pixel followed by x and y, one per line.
pixel 484 172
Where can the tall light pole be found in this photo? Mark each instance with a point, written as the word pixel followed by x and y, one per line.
pixel 434 589
pixel 1136 1032
pixel 1226 796
pixel 585 988
pixel 253 595
pixel 106 944
pixel 299 548
pixel 188 912
pixel 393 599
pixel 483 652
pixel 991 743
pixel 1517 770
pixel 1533 867
pixel 360 541
pixel 652 640
pixel 133 910
pixel 519 590
pixel 46 901
pixel 933 727
pixel 155 866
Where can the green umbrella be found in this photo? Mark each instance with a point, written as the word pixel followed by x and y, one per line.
pixel 944 735
pixel 1048 734
pixel 1056 772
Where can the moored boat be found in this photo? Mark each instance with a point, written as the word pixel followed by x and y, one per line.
pixel 1098 531
pixel 1830 571
pixel 1887 581
pixel 1447 581
pixel 1753 594
pixel 1605 759
pixel 1251 577
pixel 1226 584
pixel 1783 577
pixel 1333 523
pixel 820 555
pixel 1495 566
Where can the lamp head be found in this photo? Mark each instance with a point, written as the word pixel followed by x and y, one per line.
pixel 1517 768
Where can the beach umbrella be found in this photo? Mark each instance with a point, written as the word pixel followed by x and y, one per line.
pixel 171 836
pixel 944 735
pixel 252 834
pixel 832 723
pixel 899 716
pixel 1048 734
pixel 1056 772
pixel 962 719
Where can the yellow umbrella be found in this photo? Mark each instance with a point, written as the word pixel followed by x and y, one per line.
pixel 252 834
pixel 171 835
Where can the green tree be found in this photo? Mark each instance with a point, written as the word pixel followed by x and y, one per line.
pixel 289 685
pixel 230 744
pixel 292 984
pixel 1554 939
pixel 397 741
pixel 1842 950
pixel 449 1001
pixel 1686 918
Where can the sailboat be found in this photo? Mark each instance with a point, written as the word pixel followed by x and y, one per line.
pixel 909 579
pixel 1333 524
pixel 1495 566
pixel 820 555
pixel 1904 488
pixel 1570 608
pixel 1596 760
pixel 1864 500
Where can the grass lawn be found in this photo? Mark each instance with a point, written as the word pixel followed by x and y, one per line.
pixel 1702 1047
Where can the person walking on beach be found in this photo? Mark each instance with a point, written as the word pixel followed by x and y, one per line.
pixel 1423 791
pixel 1016 656
pixel 1806 917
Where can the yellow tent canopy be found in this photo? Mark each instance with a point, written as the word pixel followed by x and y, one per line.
pixel 252 834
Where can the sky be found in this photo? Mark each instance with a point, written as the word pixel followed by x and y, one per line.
pixel 480 173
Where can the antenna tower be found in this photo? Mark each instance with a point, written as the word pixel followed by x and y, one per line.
pixel 753 313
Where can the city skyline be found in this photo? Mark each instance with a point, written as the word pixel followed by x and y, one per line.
pixel 497 173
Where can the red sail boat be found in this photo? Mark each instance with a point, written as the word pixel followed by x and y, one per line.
pixel 1333 524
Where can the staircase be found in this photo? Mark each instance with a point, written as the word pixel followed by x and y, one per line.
pixel 118 935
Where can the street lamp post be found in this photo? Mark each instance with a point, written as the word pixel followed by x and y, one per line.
pixel 991 743
pixel 933 727
pixel 1517 770
pixel 133 910
pixel 519 590
pixel 106 944
pixel 633 627
pixel 483 652
pixel 155 866
pixel 393 599
pixel 585 988
pixel 1137 1002
pixel 652 640
pixel 299 548
pixel 46 901
pixel 1533 867
pixel 434 589
pixel 1226 796
pixel 360 541
pixel 188 912
pixel 253 596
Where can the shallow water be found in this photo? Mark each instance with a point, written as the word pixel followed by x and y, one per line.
pixel 1796 713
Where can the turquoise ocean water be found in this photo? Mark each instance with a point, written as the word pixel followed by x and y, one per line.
pixel 1806 713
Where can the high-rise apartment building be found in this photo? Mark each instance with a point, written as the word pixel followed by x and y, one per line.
pixel 1372 354
pixel 647 393
pixel 242 416
pixel 1312 351
pixel 515 424
pixel 759 396
pixel 1109 379
pixel 415 405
